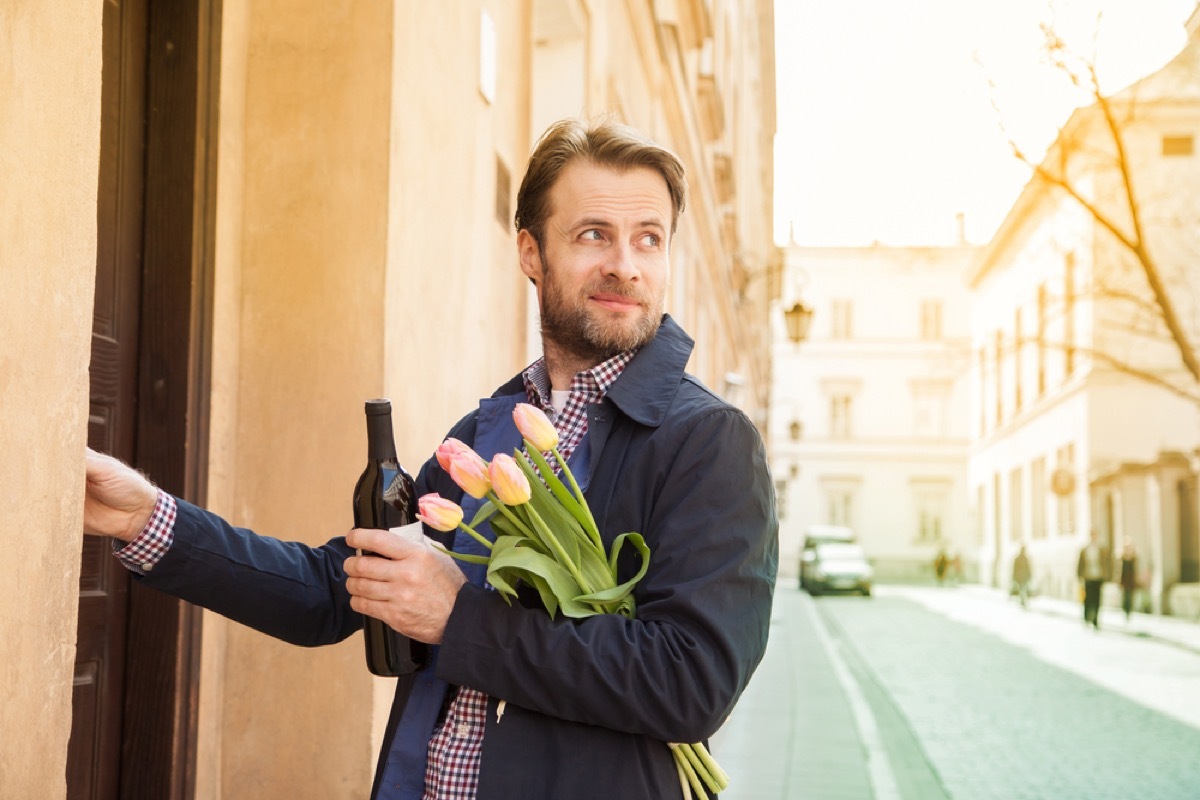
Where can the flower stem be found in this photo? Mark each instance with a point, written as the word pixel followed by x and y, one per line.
pixel 592 530
pixel 561 554
pixel 682 763
pixel 476 535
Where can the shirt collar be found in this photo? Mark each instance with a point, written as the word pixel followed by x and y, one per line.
pixel 593 383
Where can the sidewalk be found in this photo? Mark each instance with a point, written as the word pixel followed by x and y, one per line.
pixel 1169 630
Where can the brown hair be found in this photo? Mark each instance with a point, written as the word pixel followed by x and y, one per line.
pixel 602 142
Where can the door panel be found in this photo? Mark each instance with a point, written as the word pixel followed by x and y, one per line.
pixel 94 751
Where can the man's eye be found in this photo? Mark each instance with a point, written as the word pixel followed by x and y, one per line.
pixel 651 239
pixel 591 235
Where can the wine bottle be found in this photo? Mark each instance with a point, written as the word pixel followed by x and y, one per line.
pixel 385 497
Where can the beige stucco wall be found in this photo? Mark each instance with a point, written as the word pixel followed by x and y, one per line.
pixel 357 246
pixel 49 146
pixel 301 257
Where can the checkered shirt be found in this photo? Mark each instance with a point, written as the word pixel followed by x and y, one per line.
pixel 452 765
pixel 148 547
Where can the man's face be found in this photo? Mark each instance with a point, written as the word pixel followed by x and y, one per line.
pixel 603 269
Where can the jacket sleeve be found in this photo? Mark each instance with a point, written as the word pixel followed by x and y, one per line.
pixel 705 501
pixel 288 590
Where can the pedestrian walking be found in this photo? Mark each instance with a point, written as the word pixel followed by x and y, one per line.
pixel 1129 576
pixel 1093 571
pixel 939 566
pixel 1021 576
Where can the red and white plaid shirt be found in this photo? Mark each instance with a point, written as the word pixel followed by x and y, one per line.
pixel 452 760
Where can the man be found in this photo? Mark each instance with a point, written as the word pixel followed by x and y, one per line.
pixel 589 705
pixel 1093 571
pixel 1022 574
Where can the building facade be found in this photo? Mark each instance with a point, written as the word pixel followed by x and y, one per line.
pixel 870 425
pixel 1085 416
pixel 225 226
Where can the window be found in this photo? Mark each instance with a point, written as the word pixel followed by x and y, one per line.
pixel 842 319
pixel 1177 145
pixel 503 192
pixel 930 400
pixel 1037 498
pixel 931 319
pixel 982 358
pixel 929 502
pixel 1016 522
pixel 1065 460
pixel 1018 345
pixel 840 505
pixel 999 346
pixel 838 493
pixel 839 415
pixel 1041 340
pixel 1069 315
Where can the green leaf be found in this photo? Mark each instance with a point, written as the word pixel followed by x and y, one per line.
pixel 552 481
pixel 618 593
pixel 486 510
pixel 524 563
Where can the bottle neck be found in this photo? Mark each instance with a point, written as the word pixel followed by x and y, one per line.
pixel 381 443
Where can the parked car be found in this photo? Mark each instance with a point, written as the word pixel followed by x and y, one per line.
pixel 838 567
pixel 820 534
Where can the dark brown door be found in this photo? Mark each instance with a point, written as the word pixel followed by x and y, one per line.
pixel 93 759
pixel 135 684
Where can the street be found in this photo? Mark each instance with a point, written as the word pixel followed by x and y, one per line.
pixel 929 693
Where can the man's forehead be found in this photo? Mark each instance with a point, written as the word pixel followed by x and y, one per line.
pixel 583 186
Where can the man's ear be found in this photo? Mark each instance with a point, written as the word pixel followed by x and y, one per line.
pixel 529 255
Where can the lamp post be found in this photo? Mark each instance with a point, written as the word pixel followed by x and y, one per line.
pixel 797 318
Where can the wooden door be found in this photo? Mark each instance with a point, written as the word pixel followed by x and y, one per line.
pixel 93 757
pixel 135 690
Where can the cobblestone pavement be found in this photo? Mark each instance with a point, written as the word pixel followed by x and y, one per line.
pixel 996 718
pixel 923 693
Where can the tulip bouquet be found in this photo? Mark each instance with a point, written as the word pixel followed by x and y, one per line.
pixel 547 538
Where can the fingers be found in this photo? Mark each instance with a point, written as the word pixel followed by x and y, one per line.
pixel 384 543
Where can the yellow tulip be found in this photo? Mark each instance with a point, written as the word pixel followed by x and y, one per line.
pixel 439 513
pixel 448 449
pixel 508 481
pixel 535 426
pixel 470 472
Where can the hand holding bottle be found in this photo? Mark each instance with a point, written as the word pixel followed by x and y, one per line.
pixel 119 499
pixel 411 587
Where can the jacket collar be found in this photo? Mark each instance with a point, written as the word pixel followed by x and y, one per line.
pixel 648 385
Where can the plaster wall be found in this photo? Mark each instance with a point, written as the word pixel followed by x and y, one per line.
pixel 49 152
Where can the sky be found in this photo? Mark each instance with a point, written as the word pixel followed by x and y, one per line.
pixel 894 116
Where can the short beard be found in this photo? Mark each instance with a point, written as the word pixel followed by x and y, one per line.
pixel 567 324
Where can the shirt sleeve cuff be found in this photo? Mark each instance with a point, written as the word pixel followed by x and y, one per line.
pixel 146 549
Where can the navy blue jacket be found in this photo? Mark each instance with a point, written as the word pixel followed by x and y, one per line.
pixel 590 702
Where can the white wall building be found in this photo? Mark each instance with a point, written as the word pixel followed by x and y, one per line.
pixel 870 412
pixel 1066 437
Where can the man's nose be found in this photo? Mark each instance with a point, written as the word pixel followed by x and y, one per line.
pixel 620 263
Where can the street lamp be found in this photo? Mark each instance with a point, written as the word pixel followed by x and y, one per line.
pixel 797 318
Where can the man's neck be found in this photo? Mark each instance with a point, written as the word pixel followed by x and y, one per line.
pixel 562 366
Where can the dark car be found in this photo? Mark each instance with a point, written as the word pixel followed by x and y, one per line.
pixel 838 567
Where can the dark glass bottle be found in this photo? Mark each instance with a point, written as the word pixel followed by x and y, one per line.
pixel 385 497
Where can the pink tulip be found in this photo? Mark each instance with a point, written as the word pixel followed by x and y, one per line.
pixel 535 426
pixel 508 481
pixel 439 513
pixel 448 450
pixel 470 472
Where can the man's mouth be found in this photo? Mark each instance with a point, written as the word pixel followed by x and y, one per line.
pixel 615 302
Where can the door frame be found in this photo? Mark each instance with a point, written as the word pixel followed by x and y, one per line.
pixel 158 753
